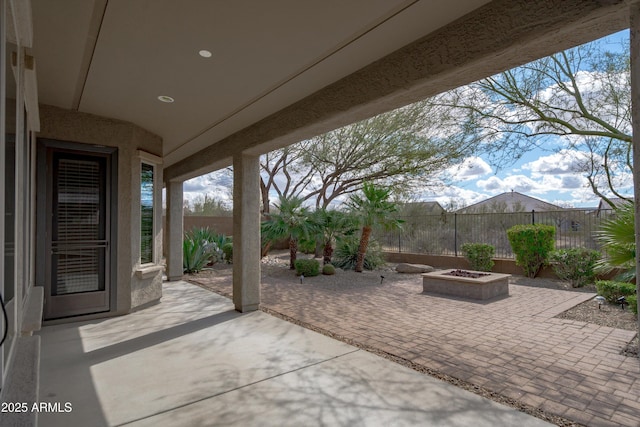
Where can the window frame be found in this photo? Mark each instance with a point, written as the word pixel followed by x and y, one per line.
pixel 155 162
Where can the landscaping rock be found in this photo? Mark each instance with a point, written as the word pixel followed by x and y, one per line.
pixel 414 268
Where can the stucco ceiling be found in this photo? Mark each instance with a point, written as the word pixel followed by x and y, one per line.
pixel 115 57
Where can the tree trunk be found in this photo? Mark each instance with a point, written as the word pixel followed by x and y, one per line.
pixel 293 253
pixel 265 250
pixel 318 250
pixel 362 248
pixel 264 193
pixel 327 253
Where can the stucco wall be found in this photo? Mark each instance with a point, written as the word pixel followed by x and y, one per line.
pixel 65 125
pixel 502 265
pixel 221 224
pixel 507 266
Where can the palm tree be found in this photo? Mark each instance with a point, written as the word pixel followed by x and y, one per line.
pixel 372 209
pixel 332 224
pixel 617 236
pixel 292 221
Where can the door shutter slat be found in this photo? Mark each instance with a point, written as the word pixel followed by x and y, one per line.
pixel 78 196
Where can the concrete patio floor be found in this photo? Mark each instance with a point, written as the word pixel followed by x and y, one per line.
pixel 193 361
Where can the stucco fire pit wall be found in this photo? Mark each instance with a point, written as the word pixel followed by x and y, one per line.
pixel 486 287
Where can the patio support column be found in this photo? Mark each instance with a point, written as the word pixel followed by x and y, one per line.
pixel 246 232
pixel 174 224
pixel 635 119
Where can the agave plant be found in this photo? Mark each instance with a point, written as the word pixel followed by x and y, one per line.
pixel 200 247
pixel 196 254
pixel 617 236
pixel 346 254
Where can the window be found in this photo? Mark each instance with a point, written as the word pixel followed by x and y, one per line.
pixel 146 213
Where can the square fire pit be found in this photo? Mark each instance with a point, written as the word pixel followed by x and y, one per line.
pixel 470 284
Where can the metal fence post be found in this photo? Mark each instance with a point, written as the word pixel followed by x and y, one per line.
pixel 455 233
pixel 399 241
pixel 533 216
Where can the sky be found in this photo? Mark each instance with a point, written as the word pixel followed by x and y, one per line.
pixel 548 173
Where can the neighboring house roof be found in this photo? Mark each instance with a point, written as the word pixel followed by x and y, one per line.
pixel 421 208
pixel 617 201
pixel 510 202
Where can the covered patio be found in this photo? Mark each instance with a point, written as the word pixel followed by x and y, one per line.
pixel 107 102
pixel 193 360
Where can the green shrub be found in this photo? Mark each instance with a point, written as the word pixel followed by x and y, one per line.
pixel 613 290
pixel 328 270
pixel 307 267
pixel 531 244
pixel 575 265
pixel 346 254
pixel 479 255
pixel 307 246
pixel 227 250
pixel 633 303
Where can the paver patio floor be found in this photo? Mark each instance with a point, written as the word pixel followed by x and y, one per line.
pixel 512 346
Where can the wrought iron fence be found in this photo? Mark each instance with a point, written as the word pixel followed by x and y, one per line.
pixel 444 234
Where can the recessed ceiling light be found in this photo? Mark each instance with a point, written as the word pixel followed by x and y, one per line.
pixel 205 53
pixel 165 98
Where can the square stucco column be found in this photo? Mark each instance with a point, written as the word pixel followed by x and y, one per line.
pixel 174 224
pixel 246 232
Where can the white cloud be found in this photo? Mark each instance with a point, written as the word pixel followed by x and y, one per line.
pixel 218 184
pixel 445 195
pixel 519 183
pixel 560 163
pixel 194 185
pixel 493 184
pixel 572 182
pixel 470 168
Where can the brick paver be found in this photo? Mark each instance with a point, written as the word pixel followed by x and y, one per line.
pixel 513 346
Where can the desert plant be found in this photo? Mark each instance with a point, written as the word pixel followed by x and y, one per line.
pixel 196 254
pixel 617 236
pixel 207 234
pixel 479 255
pixel 332 225
pixel 307 267
pixel 328 270
pixel 292 221
pixel 227 250
pixel 346 254
pixel 372 209
pixel 199 249
pixel 531 244
pixel 613 290
pixel 220 240
pixel 575 265
pixel 307 246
